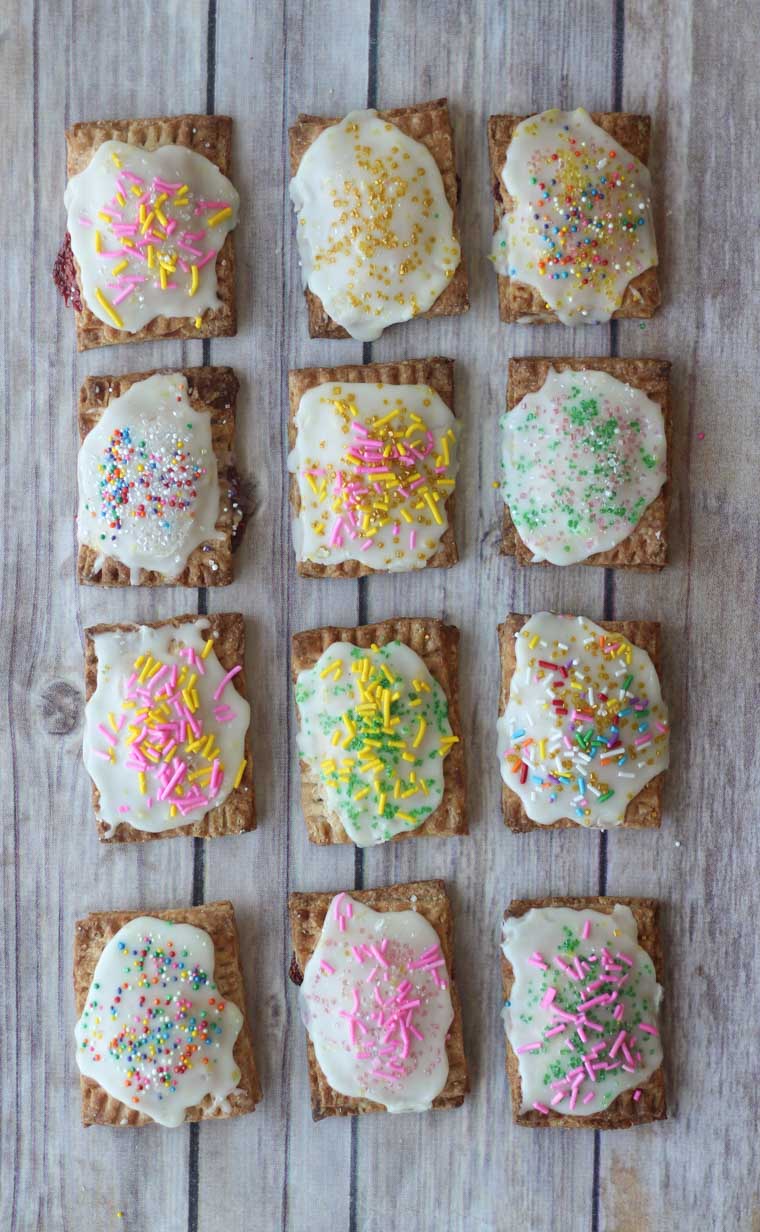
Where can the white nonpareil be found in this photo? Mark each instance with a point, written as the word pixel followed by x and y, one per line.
pixel 582 1014
pixel 157 758
pixel 154 1032
pixel 580 227
pixel 374 466
pixel 585 726
pixel 375 1001
pixel 374 732
pixel 375 230
pixel 582 459
pixel 146 227
pixel 148 483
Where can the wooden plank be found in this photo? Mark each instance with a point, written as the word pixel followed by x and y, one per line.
pixel 322 68
pixel 677 62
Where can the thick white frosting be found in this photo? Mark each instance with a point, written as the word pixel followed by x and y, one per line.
pixel 585 727
pixel 185 220
pixel 582 459
pixel 576 971
pixel 375 1000
pixel 148 483
pixel 580 228
pixel 375 231
pixel 381 773
pixel 375 465
pixel 154 1033
pixel 164 731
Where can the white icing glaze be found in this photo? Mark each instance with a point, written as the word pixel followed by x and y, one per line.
pixel 384 773
pixel 149 454
pixel 152 1033
pixel 375 1000
pixel 373 492
pixel 582 459
pixel 573 232
pixel 618 993
pixel 155 668
pixel 587 757
pixel 105 225
pixel 375 231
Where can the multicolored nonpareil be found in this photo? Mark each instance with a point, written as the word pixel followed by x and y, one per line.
pixel 374 732
pixel 584 728
pixel 376 1003
pixel 580 228
pixel 582 1012
pixel 582 459
pixel 146 227
pixel 375 229
pixel 375 466
pixel 165 729
pixel 148 481
pixel 155 1032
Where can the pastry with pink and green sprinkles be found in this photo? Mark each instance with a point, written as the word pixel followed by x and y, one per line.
pixel 574 235
pixel 377 998
pixel 166 728
pixel 584 462
pixel 582 992
pixel 583 733
pixel 379 737
pixel 162 1035
pixel 148 251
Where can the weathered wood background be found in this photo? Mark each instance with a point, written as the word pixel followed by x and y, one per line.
pixel 693 66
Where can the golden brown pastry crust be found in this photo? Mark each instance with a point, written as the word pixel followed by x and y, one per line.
pixel 237 814
pixel 307 915
pixel 644 812
pixel 430 124
pixel 210 390
pixel 437 645
pixel 517 300
pixel 646 548
pixel 210 136
pixel 436 372
pixel 94 932
pixel 624 1111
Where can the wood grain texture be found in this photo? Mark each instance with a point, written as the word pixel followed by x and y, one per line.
pixel 692 68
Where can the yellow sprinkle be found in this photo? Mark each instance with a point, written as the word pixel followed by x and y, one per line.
pixel 173 811
pixel 106 217
pixel 147 665
pixel 198 322
pixel 142 781
pixel 151 256
pixel 162 277
pixel 155 668
pixel 112 722
pixel 239 776
pixel 98 242
pixel 334 668
pixel 361 793
pixel 122 200
pixel 406 817
pixel 146 222
pixel 422 787
pixel 336 736
pixel 182 190
pixel 160 215
pixel 193 279
pixel 137 192
pixel 109 308
pixel 207 648
pixel 117 163
pixel 119 269
pixel 381 803
pixel 220 216
pixel 534 642
pixel 420 733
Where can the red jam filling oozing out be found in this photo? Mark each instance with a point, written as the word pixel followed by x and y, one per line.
pixel 65 275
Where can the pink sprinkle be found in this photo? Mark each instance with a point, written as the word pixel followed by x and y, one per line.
pixel 529 1047
pixel 617 1044
pixel 589 1096
pixel 557 1099
pixel 547 998
pixel 539 962
pixel 85 222
pixel 205 260
pixel 555 1031
pixel 412 540
pixel 342 923
pixel 637 1095
pixel 100 753
pixel 123 808
pixel 586 930
pixel 108 735
pixel 133 179
pixel 225 681
pixel 618 1012
pixel 647 1029
pixel 542 1108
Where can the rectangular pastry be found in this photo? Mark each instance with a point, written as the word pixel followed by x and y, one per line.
pixel 583 733
pixel 585 460
pixel 392 175
pixel 166 728
pixel 573 231
pixel 582 989
pixel 379 737
pixel 158 486
pixel 374 967
pixel 192 1057
pixel 373 463
pixel 149 251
